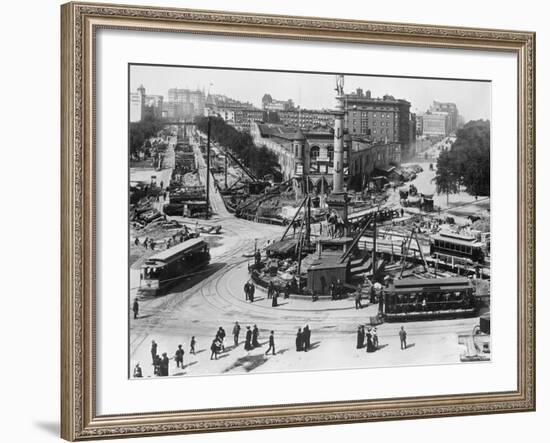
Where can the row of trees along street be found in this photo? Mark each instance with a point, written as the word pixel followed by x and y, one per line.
pixel 257 158
pixel 142 131
pixel 466 165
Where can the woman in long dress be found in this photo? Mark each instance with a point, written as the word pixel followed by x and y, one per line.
pixel 360 337
pixel 370 345
pixel 299 341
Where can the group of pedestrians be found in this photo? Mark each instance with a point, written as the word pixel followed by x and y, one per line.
pixel 161 363
pixel 249 290
pixel 367 338
pixel 218 344
pixel 252 337
pixel 303 339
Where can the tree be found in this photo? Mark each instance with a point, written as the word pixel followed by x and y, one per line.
pixel 467 162
pixel 260 160
pixel 141 131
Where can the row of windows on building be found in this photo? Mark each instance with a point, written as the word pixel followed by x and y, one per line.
pixel 375 115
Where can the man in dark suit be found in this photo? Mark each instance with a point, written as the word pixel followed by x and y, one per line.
pixel 403 337
pixel 271 343
pixel 248 339
pixel 135 308
pixel 179 356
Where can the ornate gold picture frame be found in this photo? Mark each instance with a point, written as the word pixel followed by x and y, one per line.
pixel 80 22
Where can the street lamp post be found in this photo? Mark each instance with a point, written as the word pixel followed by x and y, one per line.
pixel 208 171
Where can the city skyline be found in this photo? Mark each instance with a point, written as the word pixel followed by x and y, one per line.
pixel 314 90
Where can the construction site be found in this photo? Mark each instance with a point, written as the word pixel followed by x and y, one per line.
pixel 395 253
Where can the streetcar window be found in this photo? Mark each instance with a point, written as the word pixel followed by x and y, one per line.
pixel 469 250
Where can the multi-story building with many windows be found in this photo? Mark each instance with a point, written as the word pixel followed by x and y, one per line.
pixel 142 104
pixel 185 103
pixel 385 119
pixel 311 153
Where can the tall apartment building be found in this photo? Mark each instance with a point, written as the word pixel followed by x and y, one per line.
pixel 450 109
pixel 185 103
pixel 436 124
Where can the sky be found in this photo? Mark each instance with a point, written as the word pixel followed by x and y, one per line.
pixel 313 90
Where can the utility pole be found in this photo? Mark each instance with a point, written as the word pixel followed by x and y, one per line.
pixel 208 171
pixel 374 235
pixel 308 221
pixel 225 168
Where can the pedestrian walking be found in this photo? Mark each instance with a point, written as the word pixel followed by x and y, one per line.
pixel 156 364
pixel 307 337
pixel 215 348
pixel 255 336
pixel 136 241
pixel 248 339
pixel 135 308
pixel 271 343
pixel 137 371
pixel 164 363
pixel 251 293
pixel 275 297
pixel 220 335
pixel 154 347
pixel 270 289
pixel 375 338
pixel 358 304
pixel 299 340
pixel 332 290
pixel 179 356
pixel 287 290
pixel 403 337
pixel 370 345
pixel 192 345
pixel 360 337
pixel 236 332
pixel 247 291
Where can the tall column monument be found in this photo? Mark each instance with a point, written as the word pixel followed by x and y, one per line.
pixel 337 201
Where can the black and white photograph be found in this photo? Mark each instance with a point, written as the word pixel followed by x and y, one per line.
pixel 284 221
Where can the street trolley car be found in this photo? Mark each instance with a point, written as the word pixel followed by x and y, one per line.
pixel 456 245
pixel 165 269
pixel 415 299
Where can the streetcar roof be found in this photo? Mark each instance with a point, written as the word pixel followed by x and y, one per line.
pixel 166 255
pixel 466 241
pixel 419 284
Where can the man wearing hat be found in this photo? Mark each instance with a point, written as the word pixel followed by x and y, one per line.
pixel 153 350
pixel 165 361
pixel 179 356
pixel 135 308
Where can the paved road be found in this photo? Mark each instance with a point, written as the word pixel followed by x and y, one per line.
pixel 214 297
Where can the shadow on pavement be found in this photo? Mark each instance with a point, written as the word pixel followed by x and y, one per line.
pixel 248 363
